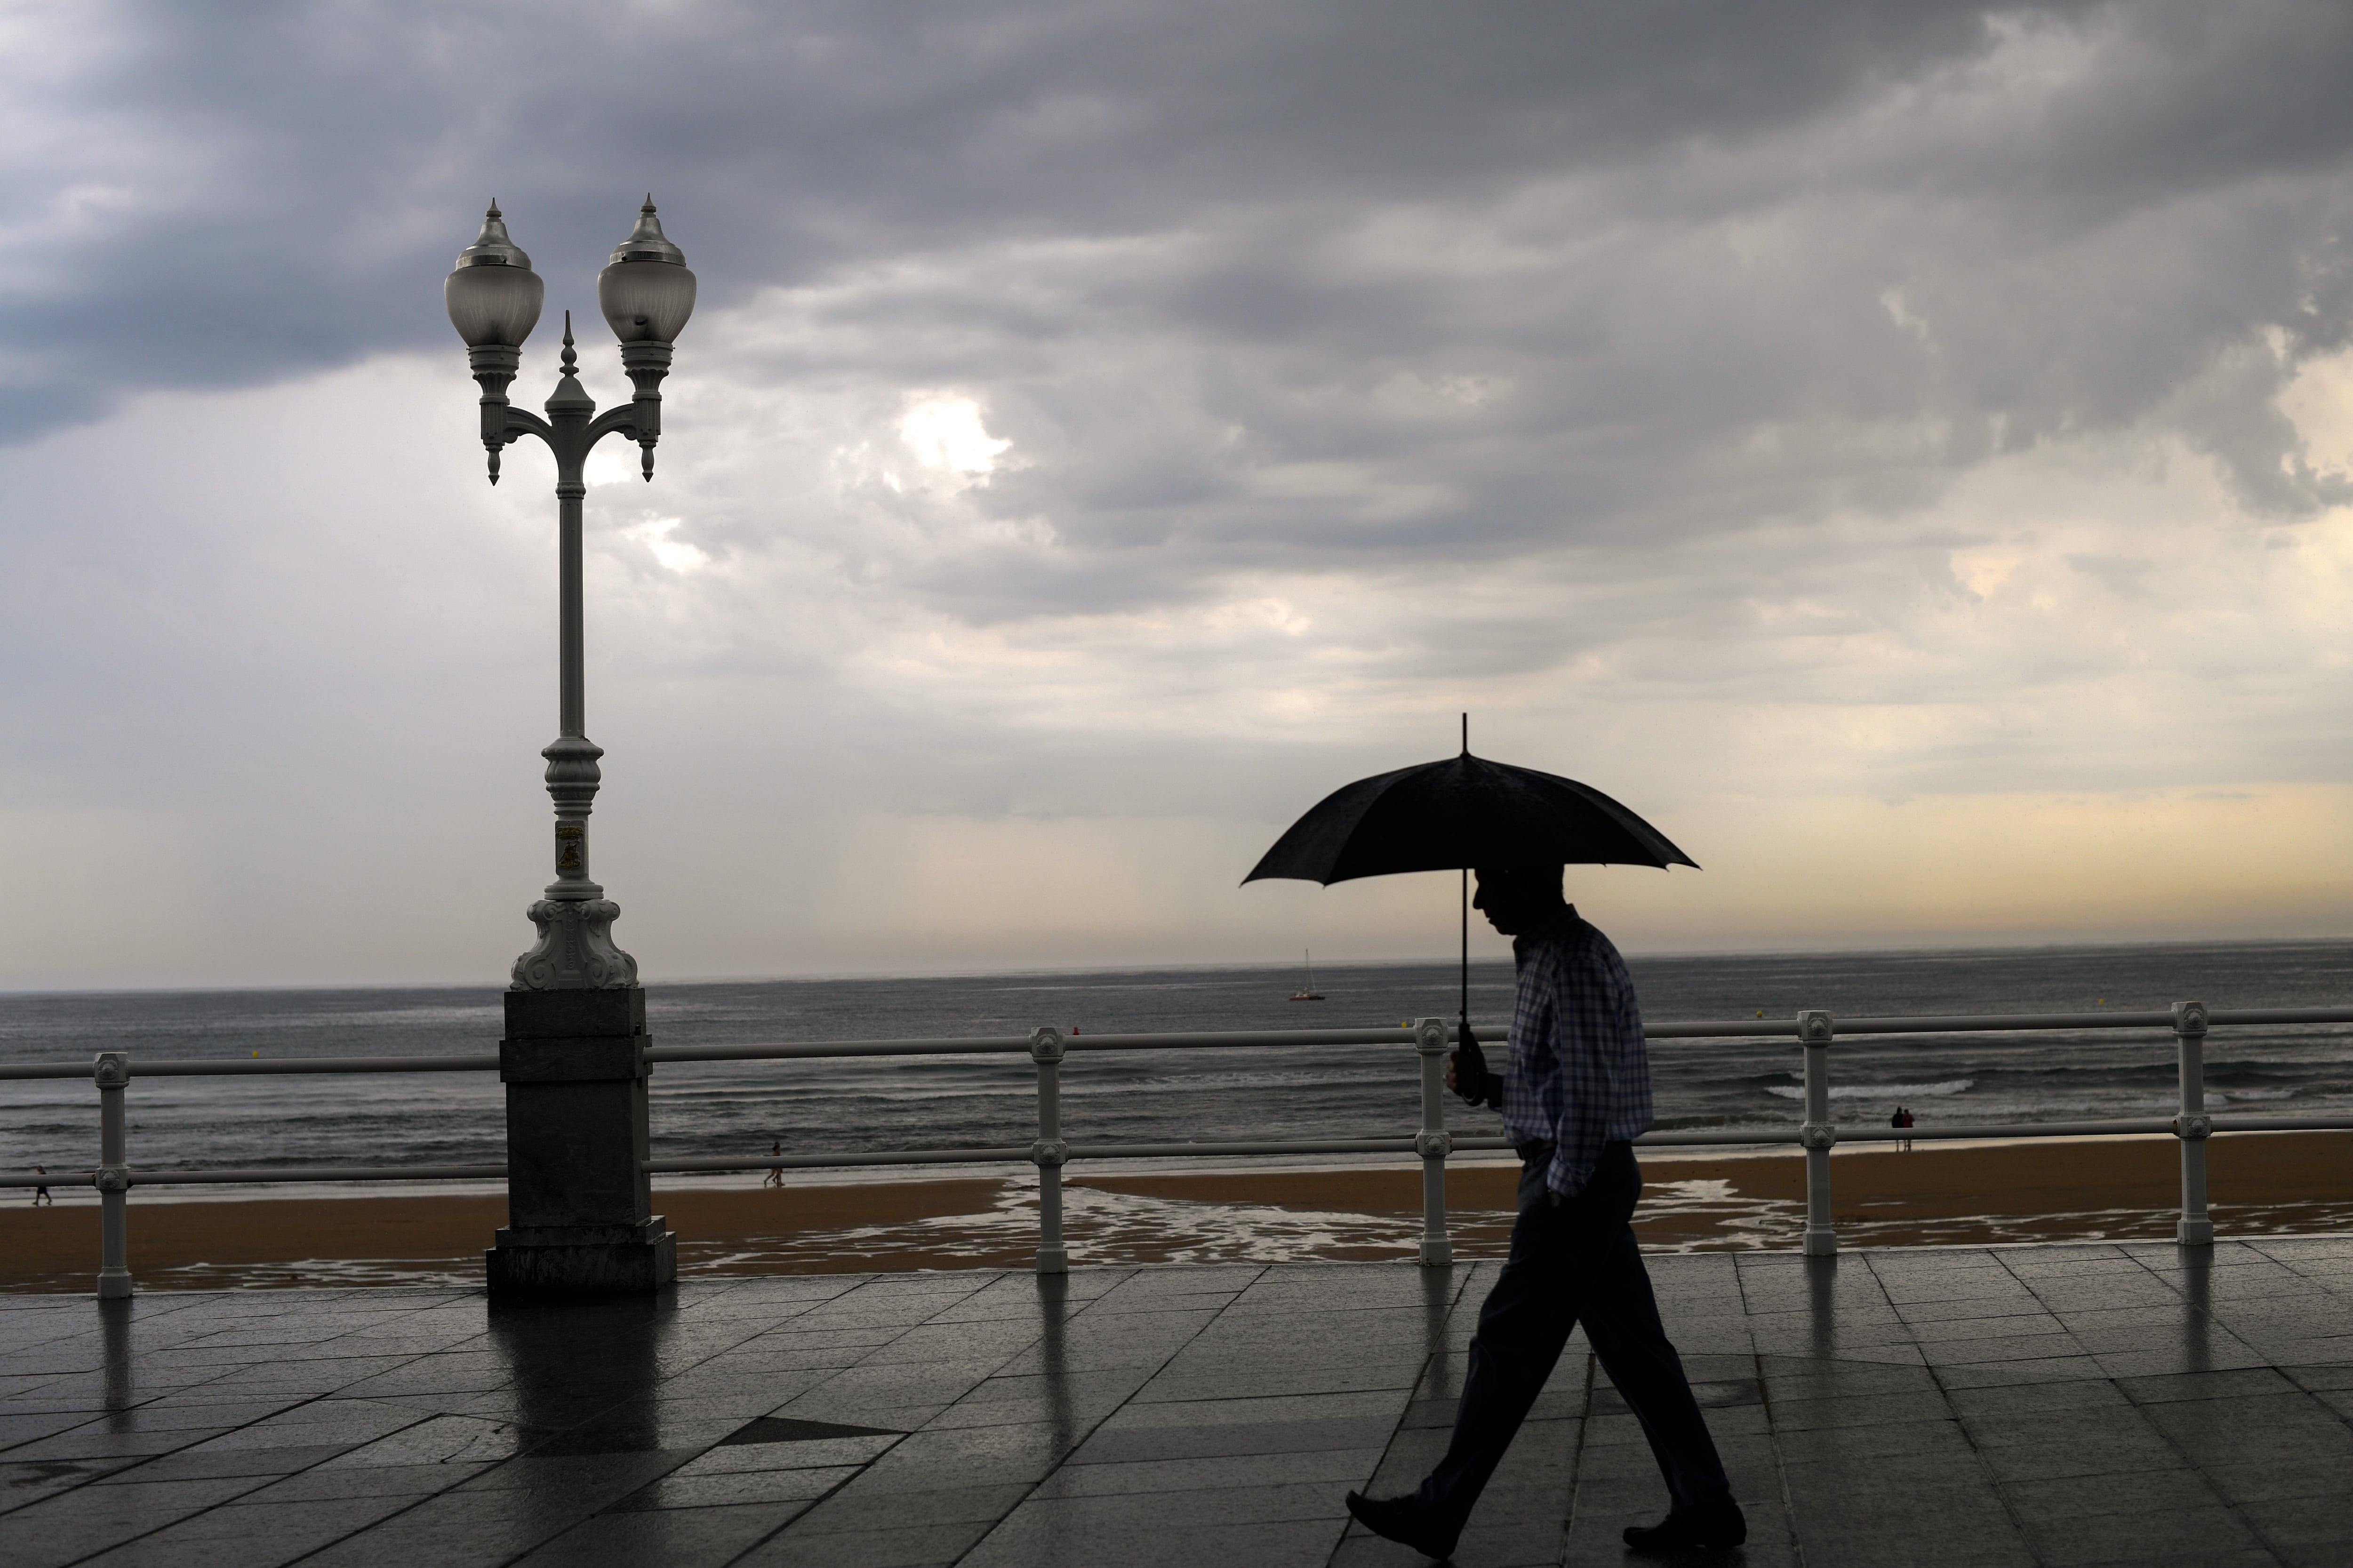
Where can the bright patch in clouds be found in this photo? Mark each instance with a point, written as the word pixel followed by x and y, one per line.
pixel 615 461
pixel 945 432
pixel 1270 611
pixel 2320 402
pixel 674 555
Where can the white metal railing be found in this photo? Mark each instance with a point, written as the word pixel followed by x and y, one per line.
pixel 1815 1030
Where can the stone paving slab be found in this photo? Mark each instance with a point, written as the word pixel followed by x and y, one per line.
pixel 2060 1405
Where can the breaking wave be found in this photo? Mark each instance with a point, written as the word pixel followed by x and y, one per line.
pixel 1879 1090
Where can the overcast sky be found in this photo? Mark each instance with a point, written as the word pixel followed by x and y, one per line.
pixel 1904 451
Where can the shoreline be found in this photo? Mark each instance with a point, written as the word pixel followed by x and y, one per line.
pixel 2079 1189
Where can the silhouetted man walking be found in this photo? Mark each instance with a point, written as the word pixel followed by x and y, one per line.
pixel 1576 1092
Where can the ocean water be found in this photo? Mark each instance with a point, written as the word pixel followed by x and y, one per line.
pixel 816 1107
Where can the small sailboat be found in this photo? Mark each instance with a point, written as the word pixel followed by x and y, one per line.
pixel 1307 992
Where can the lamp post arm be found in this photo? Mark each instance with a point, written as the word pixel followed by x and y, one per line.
pixel 504 424
pixel 522 422
pixel 619 419
pixel 639 419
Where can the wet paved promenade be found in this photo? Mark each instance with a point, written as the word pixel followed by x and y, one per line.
pixel 2056 1404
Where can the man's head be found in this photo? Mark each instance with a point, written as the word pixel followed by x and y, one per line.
pixel 1518 897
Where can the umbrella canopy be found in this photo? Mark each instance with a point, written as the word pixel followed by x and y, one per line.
pixel 1460 813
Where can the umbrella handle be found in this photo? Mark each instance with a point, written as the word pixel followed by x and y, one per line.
pixel 1464 1020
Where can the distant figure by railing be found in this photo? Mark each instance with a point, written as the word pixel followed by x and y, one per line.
pixel 1050 1150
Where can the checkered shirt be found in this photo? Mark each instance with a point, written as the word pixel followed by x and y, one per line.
pixel 1580 1075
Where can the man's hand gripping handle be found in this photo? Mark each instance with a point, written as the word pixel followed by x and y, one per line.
pixel 1467 1074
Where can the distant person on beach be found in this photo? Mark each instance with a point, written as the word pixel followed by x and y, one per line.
pixel 1901 1118
pixel 41 1193
pixel 1575 1094
pixel 776 1176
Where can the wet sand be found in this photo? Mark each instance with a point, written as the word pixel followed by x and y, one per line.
pixel 2090 1190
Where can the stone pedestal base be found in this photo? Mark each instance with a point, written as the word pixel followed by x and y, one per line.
pixel 579 1207
pixel 581 1261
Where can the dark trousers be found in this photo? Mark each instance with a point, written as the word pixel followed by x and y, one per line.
pixel 1570 1264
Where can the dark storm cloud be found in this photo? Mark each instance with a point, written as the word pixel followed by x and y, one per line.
pixel 1709 263
pixel 263 188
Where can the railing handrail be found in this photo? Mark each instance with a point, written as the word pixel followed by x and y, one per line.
pixel 1200 1039
pixel 239 1067
pixel 974 1046
pixel 1994 1023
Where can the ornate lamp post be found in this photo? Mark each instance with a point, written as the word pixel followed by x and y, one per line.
pixel 578 1201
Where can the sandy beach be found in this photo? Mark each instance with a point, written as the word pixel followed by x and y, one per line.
pixel 2074 1190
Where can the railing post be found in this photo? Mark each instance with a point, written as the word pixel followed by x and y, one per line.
pixel 111 1071
pixel 1049 1151
pixel 1814 1032
pixel 2193 1126
pixel 1433 1143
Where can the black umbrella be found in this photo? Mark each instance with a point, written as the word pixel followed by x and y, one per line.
pixel 1460 813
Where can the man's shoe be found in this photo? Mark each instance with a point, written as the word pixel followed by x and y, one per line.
pixel 1401 1519
pixel 1710 1524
